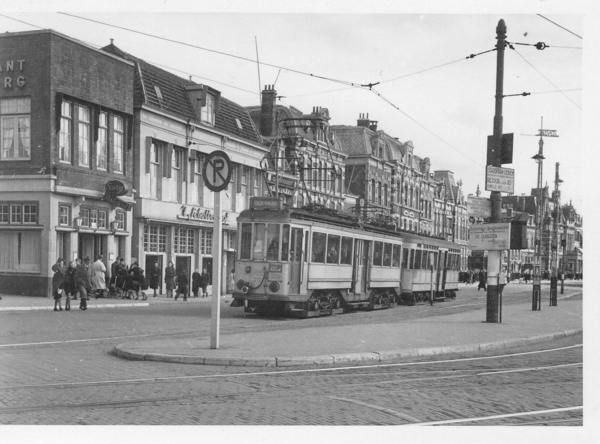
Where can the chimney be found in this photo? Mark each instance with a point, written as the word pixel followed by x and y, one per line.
pixel 267 110
pixel 373 125
pixel 363 120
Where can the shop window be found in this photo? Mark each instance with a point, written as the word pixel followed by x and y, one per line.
pixel 21 251
pixel 15 127
pixel 183 240
pixel 206 236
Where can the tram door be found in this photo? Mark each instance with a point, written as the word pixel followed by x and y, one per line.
pixel 441 271
pixel 296 260
pixel 361 268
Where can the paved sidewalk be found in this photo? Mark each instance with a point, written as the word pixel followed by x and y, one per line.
pixel 461 332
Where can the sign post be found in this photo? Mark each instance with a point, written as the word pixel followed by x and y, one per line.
pixel 216 173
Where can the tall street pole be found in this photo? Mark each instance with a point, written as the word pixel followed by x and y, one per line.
pixel 536 302
pixel 494 290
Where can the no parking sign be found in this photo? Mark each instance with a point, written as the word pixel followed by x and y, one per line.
pixel 217 170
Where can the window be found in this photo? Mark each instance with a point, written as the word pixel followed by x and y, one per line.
pixel 285 242
pixel 417 259
pixel 318 247
pixel 93 218
pixel 244 175
pixel 206 236
pixel 208 111
pixel 405 259
pixel 102 144
pixel 246 241
pixel 85 217
pixel 15 129
pixel 21 251
pixel 64 211
pixel 154 170
pixel 273 242
pixel 199 197
pixel 84 135
pixel 387 255
pixel 258 253
pixel 346 251
pixel 120 218
pixel 102 219
pixel 333 249
pixel 18 213
pixel 377 252
pixel 177 176
pixel 183 240
pixel 118 143
pixel 155 238
pixel 396 256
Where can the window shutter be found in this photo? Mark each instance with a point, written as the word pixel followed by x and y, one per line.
pixel 239 178
pixel 95 122
pixel 185 165
pixel 251 179
pixel 148 153
pixel 192 169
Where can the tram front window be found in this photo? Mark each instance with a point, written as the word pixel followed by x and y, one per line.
pixel 246 242
pixel 259 242
pixel 273 242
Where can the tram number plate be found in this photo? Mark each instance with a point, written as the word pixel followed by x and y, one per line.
pixel 256 280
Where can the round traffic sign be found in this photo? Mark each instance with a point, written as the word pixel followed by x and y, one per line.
pixel 217 170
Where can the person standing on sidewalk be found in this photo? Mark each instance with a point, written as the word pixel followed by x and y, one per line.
pixel 170 279
pixel 58 283
pixel 155 275
pixel 84 282
pixel 482 279
pixel 182 284
pixel 69 286
pixel 204 280
pixel 99 276
pixel 196 278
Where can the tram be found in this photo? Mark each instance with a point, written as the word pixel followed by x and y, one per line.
pixel 310 262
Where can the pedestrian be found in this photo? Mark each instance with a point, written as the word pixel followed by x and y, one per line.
pixel 196 278
pixel 482 280
pixel 58 283
pixel 170 279
pixel 99 276
pixel 155 275
pixel 77 263
pixel 69 286
pixel 204 280
pixel 232 280
pixel 137 280
pixel 182 284
pixel 83 282
pixel 113 272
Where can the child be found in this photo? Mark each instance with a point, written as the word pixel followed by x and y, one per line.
pixel 57 283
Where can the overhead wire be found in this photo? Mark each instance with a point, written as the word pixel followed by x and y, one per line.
pixel 547 79
pixel 545 18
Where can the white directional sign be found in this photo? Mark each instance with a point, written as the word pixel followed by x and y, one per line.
pixel 479 207
pixel 500 179
pixel 490 237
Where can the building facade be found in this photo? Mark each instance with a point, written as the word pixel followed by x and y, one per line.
pixel 66 163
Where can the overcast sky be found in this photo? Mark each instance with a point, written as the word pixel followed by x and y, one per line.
pixel 429 91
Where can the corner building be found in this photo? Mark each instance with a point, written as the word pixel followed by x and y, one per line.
pixel 66 159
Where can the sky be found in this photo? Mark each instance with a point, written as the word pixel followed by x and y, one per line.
pixel 426 88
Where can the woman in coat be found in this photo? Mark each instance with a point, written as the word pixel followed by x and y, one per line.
pixel 58 283
pixel 99 276
pixel 69 286
pixel 196 278
pixel 170 279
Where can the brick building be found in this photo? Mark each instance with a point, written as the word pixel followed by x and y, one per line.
pixel 66 163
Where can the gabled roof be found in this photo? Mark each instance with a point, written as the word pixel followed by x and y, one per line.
pixel 524 204
pixel 150 81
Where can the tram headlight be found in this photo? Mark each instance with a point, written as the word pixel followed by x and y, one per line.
pixel 245 290
pixel 240 284
pixel 274 286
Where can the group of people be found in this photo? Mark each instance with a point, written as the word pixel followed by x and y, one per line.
pixel 78 279
pixel 84 280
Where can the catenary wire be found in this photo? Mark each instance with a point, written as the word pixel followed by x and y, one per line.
pixel 545 18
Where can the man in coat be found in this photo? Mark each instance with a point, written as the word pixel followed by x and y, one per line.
pixel 99 277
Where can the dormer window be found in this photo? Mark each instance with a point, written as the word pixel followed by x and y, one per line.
pixel 158 92
pixel 208 110
pixel 239 124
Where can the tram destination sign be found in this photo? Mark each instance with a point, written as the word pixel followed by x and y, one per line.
pixel 490 237
pixel 500 179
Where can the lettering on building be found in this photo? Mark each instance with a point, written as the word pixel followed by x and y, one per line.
pixel 12 66
pixel 203 214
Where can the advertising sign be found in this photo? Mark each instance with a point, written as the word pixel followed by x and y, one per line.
pixel 500 179
pixel 490 237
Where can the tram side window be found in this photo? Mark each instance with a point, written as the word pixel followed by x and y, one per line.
pixel 387 255
pixel 258 253
pixel 411 261
pixel 273 242
pixel 318 247
pixel 246 242
pixel 377 252
pixel 333 249
pixel 346 252
pixel 435 259
pixel 285 242
pixel 396 256
pixel 405 258
pixel 425 260
pixel 417 259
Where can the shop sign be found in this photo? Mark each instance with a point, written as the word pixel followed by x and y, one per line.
pixel 202 214
pixel 115 188
pixel 283 181
pixel 10 66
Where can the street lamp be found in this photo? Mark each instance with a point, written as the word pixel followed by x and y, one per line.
pixel 77 223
